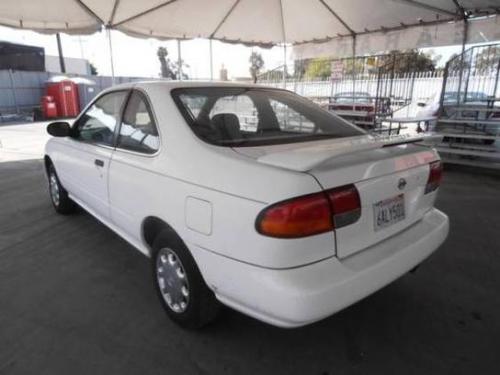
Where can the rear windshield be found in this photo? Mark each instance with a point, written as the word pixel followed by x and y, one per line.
pixel 227 116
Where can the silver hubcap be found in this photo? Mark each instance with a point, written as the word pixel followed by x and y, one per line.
pixel 54 188
pixel 172 280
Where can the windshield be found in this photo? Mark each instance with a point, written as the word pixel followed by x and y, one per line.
pixel 471 96
pixel 228 116
pixel 348 97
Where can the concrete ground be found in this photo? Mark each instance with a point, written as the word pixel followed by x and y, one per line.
pixel 76 299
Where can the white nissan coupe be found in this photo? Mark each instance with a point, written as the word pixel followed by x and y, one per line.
pixel 248 196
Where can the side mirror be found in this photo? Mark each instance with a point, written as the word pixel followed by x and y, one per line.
pixel 59 129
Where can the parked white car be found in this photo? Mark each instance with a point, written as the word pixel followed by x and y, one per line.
pixel 249 196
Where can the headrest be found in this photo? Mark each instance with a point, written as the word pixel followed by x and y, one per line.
pixel 228 125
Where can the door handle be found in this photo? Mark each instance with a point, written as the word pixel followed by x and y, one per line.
pixel 99 162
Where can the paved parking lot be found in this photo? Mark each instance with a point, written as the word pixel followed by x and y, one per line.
pixel 76 299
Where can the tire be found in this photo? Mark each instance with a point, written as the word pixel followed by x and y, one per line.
pixel 58 195
pixel 175 269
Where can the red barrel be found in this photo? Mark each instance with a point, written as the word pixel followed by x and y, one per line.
pixel 65 94
pixel 48 106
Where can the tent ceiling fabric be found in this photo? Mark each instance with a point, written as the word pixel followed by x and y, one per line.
pixel 68 16
pixel 247 21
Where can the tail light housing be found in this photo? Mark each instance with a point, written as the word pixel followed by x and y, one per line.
pixel 345 205
pixel 310 214
pixel 435 176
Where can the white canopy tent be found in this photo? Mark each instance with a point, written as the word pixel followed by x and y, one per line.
pixel 252 22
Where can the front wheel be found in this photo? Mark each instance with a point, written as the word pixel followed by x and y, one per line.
pixel 186 298
pixel 58 195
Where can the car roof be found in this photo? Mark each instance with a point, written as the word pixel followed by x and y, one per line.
pixel 170 85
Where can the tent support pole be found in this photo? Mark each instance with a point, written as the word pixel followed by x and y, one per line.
pixel 462 58
pixel 179 60
pixel 211 61
pixel 465 36
pixel 354 64
pixel 61 57
pixel 284 65
pixel 108 31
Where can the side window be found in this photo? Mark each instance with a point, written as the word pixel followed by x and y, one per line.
pixel 138 131
pixel 98 123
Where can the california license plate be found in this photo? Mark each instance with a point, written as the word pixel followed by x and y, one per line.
pixel 389 212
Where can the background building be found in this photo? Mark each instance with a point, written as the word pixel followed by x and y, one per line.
pixel 73 65
pixel 21 57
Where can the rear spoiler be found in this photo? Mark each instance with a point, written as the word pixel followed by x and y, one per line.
pixel 306 158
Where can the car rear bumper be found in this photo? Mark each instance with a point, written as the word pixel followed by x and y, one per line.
pixel 299 296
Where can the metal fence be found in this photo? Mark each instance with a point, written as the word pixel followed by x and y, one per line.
pixel 425 85
pixel 473 77
pixel 20 91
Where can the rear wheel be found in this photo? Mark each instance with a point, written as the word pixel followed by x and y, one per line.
pixel 58 195
pixel 186 298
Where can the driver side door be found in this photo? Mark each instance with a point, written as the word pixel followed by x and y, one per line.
pixel 85 165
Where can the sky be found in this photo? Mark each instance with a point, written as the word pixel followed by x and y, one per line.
pixel 137 57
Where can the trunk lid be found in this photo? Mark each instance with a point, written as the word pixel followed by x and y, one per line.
pixel 376 166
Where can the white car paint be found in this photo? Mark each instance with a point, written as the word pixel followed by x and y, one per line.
pixel 211 196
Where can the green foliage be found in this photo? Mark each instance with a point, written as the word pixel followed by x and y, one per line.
pixel 409 61
pixel 318 68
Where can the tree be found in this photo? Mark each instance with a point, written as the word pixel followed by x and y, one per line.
pixel 256 64
pixel 318 68
pixel 166 64
pixel 457 63
pixel 93 70
pixel 487 60
pixel 409 61
pixel 170 69
pixel 354 66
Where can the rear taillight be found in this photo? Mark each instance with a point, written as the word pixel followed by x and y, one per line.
pixel 346 205
pixel 298 217
pixel 310 214
pixel 435 175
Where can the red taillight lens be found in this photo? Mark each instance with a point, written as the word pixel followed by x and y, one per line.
pixel 435 175
pixel 298 217
pixel 346 205
pixel 310 214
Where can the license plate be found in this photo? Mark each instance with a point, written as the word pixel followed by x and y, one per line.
pixel 389 212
